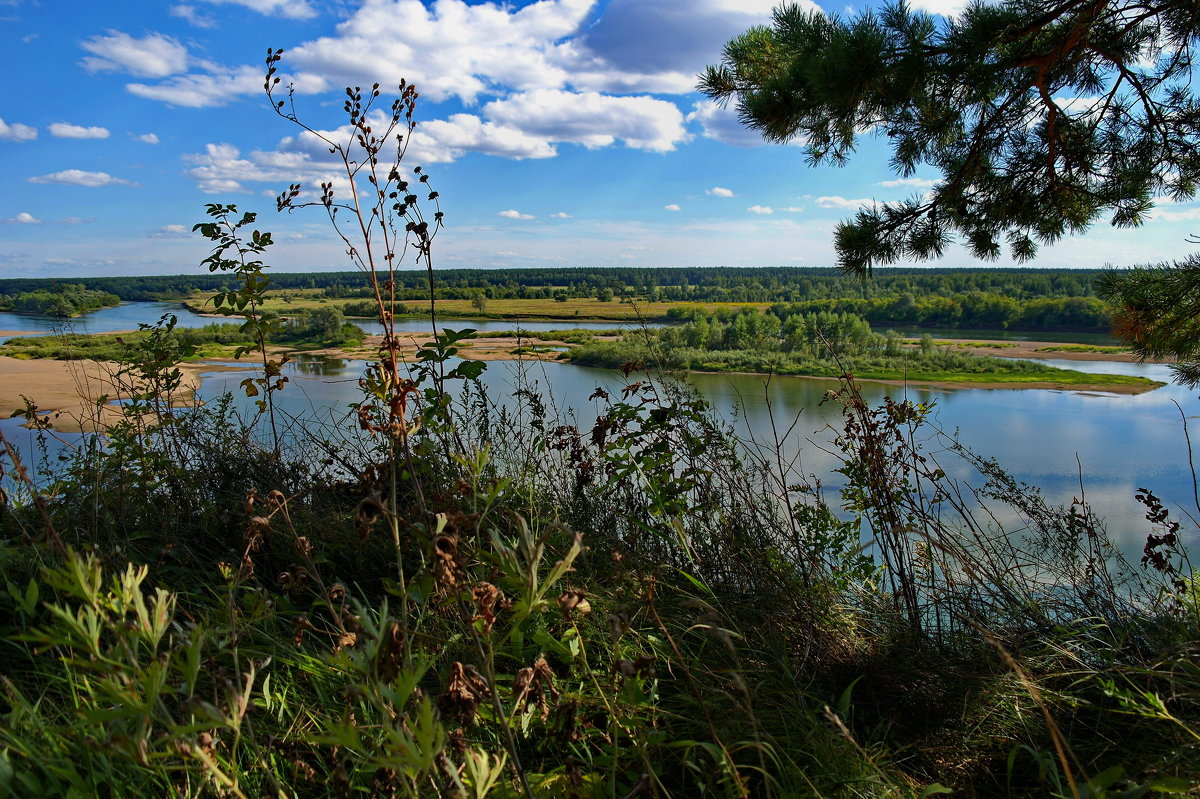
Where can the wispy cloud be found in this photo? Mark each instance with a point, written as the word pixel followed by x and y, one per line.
pixel 842 202
pixel 289 9
pixel 172 232
pixel 79 177
pixel 761 209
pixel 909 183
pixel 193 17
pixel 561 215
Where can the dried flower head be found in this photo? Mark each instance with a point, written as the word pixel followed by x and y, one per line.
pixel 465 689
pixel 535 685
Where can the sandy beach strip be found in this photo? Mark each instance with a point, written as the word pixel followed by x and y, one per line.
pixel 1030 350
pixel 68 391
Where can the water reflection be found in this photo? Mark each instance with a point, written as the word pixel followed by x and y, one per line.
pixel 319 365
pixel 1071 445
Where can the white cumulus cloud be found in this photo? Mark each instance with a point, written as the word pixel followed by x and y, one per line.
pixel 660 45
pixel 841 202
pixel 147 138
pixel 592 119
pixel 718 191
pixel 444 140
pixel 761 209
pixel 23 218
pixel 512 213
pixel 80 177
pixel 64 130
pixel 17 132
pixel 561 215
pixel 671 207
pixel 152 56
pixel 223 168
pixel 448 48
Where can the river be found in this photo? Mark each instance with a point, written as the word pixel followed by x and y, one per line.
pixel 1064 442
pixel 128 315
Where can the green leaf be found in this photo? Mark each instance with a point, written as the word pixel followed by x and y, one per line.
pixel 1171 785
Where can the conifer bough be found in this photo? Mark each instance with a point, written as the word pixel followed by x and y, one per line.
pixel 1041 117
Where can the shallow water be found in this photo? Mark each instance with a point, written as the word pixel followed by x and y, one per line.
pixel 1101 447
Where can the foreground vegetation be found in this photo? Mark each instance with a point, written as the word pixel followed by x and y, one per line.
pixel 515 604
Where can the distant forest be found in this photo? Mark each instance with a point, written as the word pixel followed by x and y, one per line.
pixel 1045 299
pixel 57 299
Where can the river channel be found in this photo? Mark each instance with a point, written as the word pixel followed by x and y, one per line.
pixel 1069 444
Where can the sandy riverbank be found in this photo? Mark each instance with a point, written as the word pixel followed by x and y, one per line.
pixel 68 391
pixel 1038 350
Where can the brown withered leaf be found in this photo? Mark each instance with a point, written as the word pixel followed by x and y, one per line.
pixel 571 600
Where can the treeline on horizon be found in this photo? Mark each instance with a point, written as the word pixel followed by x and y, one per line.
pixel 710 284
pixel 968 298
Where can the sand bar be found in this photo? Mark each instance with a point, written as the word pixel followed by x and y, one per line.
pixel 68 390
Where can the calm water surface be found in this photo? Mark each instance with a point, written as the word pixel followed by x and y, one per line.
pixel 1114 444
pixel 125 316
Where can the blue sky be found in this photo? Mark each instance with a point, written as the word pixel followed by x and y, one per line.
pixel 558 133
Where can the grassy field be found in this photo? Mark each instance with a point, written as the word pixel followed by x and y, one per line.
pixel 579 308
